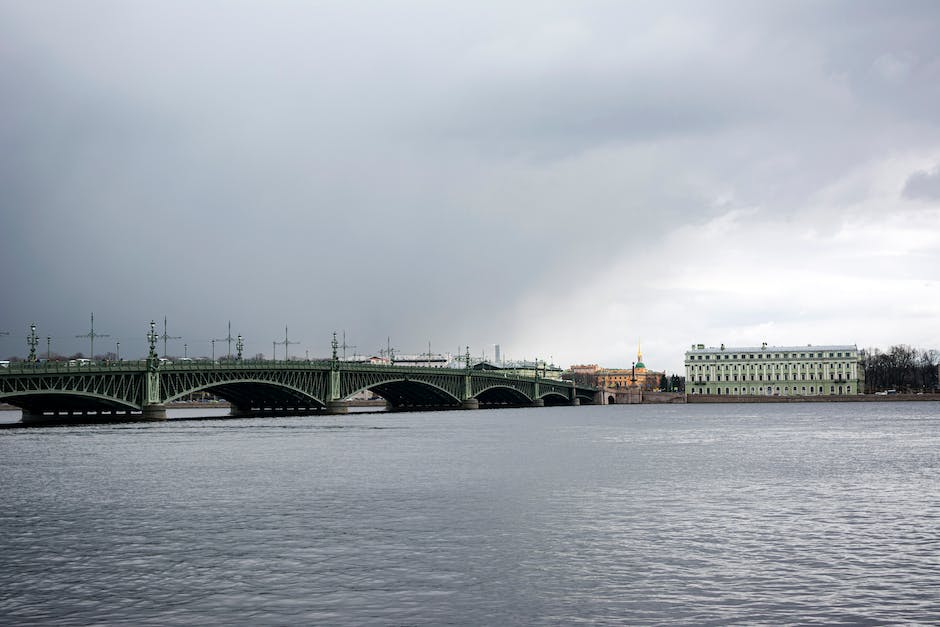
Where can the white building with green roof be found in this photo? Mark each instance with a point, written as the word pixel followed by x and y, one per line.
pixel 774 370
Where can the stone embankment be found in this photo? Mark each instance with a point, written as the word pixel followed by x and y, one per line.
pixel 844 398
pixel 656 398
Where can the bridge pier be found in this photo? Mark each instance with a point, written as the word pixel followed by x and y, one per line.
pixel 574 402
pixel 470 403
pixel 153 412
pixel 337 407
pixel 539 402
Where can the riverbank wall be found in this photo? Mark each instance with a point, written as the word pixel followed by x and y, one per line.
pixel 843 398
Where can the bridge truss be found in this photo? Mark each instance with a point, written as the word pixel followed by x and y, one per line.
pixel 257 388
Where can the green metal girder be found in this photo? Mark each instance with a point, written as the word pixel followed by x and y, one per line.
pixel 311 384
pixel 449 385
pixel 122 388
pixel 131 385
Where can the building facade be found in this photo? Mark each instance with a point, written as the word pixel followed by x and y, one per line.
pixel 774 370
pixel 638 376
pixel 582 374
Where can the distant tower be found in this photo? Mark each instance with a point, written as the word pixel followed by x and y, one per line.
pixel 497 355
pixel 639 356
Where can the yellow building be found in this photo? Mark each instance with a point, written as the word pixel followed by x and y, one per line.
pixel 637 376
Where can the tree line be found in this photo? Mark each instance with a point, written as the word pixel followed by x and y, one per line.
pixel 901 368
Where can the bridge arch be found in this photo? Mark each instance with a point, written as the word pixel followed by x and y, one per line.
pixel 37 402
pixel 411 393
pixel 502 394
pixel 555 398
pixel 586 399
pixel 250 393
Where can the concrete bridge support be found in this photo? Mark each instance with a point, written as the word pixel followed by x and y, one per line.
pixel 153 412
pixel 337 407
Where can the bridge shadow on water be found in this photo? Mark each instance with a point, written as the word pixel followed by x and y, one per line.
pixel 175 415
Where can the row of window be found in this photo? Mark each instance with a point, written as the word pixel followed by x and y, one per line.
pixel 769 356
pixel 777 377
pixel 760 377
pixel 729 368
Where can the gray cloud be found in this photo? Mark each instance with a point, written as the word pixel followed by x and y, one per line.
pixel 923 185
pixel 415 170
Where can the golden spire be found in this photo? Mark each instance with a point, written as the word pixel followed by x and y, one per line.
pixel 639 352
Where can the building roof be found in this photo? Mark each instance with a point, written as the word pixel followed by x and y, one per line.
pixel 809 348
pixel 485 365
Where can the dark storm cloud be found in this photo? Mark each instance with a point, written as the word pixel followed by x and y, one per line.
pixel 414 170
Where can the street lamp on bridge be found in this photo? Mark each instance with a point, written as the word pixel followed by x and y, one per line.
pixel 32 340
pixel 152 338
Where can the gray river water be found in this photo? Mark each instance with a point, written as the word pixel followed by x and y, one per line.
pixel 684 514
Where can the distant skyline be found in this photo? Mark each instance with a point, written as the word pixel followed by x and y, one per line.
pixel 562 179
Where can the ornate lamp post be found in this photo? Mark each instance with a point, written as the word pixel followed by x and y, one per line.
pixel 152 359
pixel 32 341
pixel 239 346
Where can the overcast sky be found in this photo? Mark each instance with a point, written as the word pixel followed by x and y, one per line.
pixel 564 179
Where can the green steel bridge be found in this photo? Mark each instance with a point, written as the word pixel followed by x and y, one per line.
pixel 142 389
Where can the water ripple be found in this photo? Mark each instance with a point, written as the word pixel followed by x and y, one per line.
pixel 679 515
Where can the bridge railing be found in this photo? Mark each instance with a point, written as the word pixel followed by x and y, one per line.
pixel 26 367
